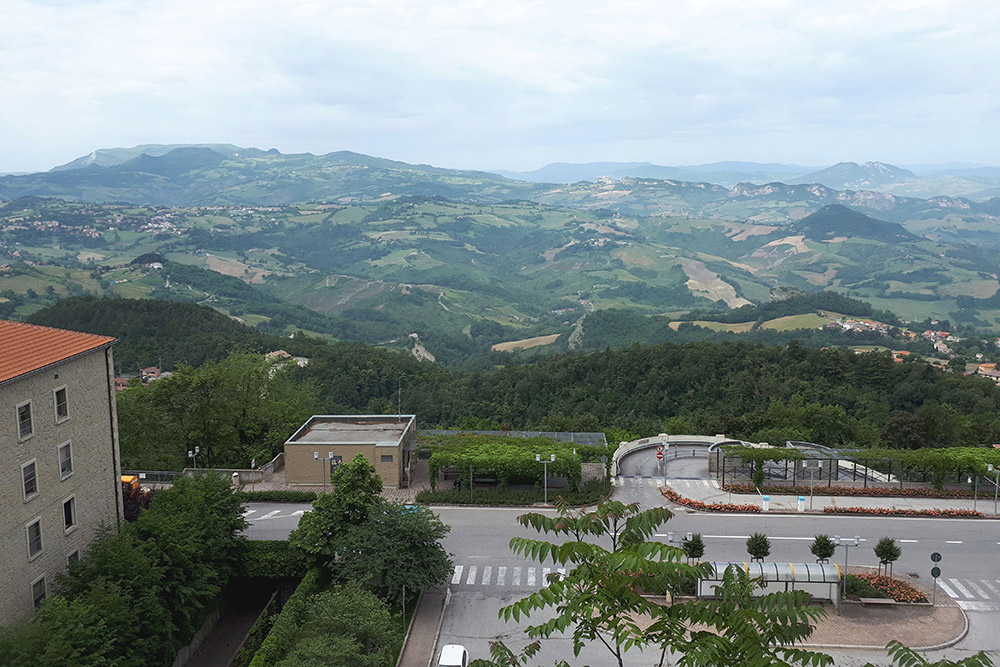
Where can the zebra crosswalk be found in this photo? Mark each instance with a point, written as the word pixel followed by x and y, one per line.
pixel 503 576
pixel 273 514
pixel 659 482
pixel 973 594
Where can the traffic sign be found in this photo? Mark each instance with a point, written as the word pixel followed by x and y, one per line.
pixel 936 557
pixel 935 572
pixel 659 455
pixel 659 448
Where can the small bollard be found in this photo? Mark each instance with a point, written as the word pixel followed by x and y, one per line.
pixel 766 504
pixel 802 503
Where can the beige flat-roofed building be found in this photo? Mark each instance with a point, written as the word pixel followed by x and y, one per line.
pixel 59 477
pixel 325 441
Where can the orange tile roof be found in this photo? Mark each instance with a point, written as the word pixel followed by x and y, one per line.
pixel 29 347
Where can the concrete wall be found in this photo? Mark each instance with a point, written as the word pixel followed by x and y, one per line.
pixel 302 469
pixel 91 428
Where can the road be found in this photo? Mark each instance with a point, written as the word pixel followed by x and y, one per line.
pixel 488 576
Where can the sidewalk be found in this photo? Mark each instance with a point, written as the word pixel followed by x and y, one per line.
pixel 422 638
pixel 789 503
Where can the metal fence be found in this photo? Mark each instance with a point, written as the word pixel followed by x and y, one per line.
pixel 577 438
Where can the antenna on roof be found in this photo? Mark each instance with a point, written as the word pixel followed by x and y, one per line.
pixel 399 400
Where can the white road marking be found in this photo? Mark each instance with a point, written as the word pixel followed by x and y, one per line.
pixel 516 577
pixel 961 589
pixel 953 542
pixel 545 576
pixel 562 572
pixel 531 576
pixel 989 584
pixel 908 541
pixel 501 576
pixel 944 587
pixel 248 512
pixel 298 512
pixel 659 483
pixel 457 577
pixel 487 573
pixel 977 605
pixel 979 591
pixel 472 574
pixel 268 515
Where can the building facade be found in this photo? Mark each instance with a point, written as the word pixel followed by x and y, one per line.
pixel 59 476
pixel 325 441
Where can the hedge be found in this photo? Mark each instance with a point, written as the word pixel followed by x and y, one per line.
pixel 272 559
pixel 589 493
pixel 872 491
pixel 892 511
pixel 276 496
pixel 286 627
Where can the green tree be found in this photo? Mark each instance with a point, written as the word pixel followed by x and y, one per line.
pixel 599 599
pixel 357 535
pixel 345 626
pixel 887 552
pixel 694 548
pixel 750 631
pixel 907 657
pixel 758 546
pixel 823 548
pixel 234 410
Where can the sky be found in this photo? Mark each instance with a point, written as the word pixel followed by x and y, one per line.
pixel 508 84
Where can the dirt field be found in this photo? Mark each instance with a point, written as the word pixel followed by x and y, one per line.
pixel 704 282
pixel 525 343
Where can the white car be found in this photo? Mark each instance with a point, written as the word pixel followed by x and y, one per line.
pixel 453 655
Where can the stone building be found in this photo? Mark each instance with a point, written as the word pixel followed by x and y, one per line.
pixel 324 441
pixel 59 476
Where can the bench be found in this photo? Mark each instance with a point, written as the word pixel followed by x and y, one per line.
pixel 877 601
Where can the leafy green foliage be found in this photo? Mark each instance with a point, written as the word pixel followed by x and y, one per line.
pixel 907 657
pixel 694 548
pixel 823 548
pixel 512 460
pixel 286 627
pixel 589 493
pixel 138 596
pixel 277 496
pixel 887 552
pixel 346 625
pixel 356 535
pixel 237 409
pixel 750 631
pixel 271 559
pixel 758 546
pixel 600 597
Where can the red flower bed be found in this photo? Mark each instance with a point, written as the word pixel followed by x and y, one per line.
pixel 887 511
pixel 707 507
pixel 900 591
pixel 871 492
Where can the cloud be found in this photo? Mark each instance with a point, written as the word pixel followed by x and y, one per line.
pixel 513 84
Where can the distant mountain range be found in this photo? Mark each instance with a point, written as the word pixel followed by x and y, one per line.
pixel 222 174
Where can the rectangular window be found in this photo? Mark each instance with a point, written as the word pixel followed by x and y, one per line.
pixel 387 458
pixel 24 429
pixel 34 534
pixel 29 479
pixel 69 514
pixel 62 404
pixel 65 460
pixel 38 591
pixel 73 558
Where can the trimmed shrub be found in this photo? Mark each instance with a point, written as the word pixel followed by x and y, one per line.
pixel 271 559
pixel 589 493
pixel 276 496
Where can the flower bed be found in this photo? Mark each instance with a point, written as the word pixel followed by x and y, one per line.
pixel 900 591
pixel 873 492
pixel 891 511
pixel 707 507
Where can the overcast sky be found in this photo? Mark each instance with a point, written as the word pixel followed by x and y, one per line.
pixel 506 84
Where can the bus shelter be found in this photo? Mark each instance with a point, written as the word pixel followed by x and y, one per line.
pixel 820 580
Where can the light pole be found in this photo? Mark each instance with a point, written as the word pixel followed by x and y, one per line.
pixel 975 492
pixel 812 480
pixel 552 459
pixel 194 456
pixel 996 485
pixel 323 459
pixel 847 548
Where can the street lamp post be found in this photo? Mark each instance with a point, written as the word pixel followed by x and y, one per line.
pixel 812 480
pixel 324 459
pixel 975 491
pixel 847 548
pixel 194 456
pixel 996 485
pixel 552 459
